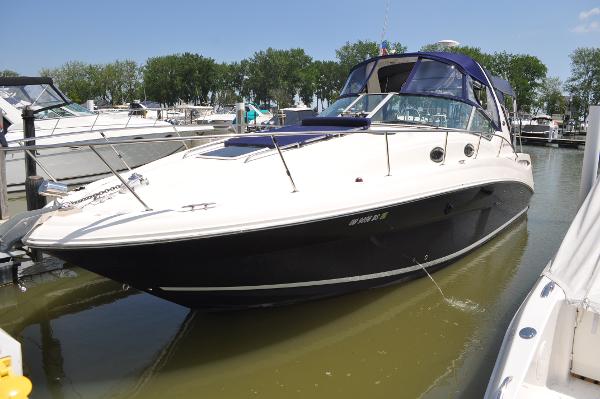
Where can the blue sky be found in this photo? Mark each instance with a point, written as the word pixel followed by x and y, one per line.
pixel 43 33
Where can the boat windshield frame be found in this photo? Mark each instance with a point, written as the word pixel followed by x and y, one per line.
pixel 476 119
pixel 31 94
pixel 435 84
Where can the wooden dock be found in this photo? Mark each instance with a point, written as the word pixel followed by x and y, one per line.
pixel 560 142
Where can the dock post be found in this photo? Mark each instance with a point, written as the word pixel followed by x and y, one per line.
pixel 3 187
pixel 589 171
pixel 34 201
pixel 240 110
pixel 3 181
pixel 29 132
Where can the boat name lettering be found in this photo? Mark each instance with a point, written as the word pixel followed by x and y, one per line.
pixel 369 218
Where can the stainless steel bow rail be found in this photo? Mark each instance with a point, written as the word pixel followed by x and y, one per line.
pixel 30 150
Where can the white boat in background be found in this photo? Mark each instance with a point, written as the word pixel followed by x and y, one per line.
pixel 552 346
pixel 57 120
pixel 540 126
pixel 224 117
pixel 292 116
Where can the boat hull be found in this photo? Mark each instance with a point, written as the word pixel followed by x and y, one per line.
pixel 312 260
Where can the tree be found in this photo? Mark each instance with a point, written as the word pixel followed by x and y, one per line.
pixel 160 79
pixel 328 80
pixel 526 74
pixel 229 83
pixel 551 98
pixel 584 83
pixel 7 73
pixel 276 75
pixel 76 79
pixel 351 54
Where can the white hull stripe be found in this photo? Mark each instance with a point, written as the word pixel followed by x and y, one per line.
pixel 350 279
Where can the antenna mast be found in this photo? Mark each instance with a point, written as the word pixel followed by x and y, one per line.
pixel 383 46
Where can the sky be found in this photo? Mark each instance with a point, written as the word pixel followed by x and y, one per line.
pixel 36 34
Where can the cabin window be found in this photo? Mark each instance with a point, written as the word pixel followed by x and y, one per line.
pixel 482 95
pixel 481 124
pixel 436 78
pixel 357 79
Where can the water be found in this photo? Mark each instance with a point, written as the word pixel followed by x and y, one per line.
pixel 86 337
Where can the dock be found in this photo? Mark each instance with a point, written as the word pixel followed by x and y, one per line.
pixel 554 141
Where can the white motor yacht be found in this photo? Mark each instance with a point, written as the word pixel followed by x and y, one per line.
pixel 58 120
pixel 360 197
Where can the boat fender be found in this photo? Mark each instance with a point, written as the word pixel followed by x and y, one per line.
pixel 11 385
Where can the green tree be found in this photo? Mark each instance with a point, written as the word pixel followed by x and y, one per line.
pixel 351 54
pixel 584 82
pixel 551 98
pixel 160 77
pixel 229 83
pixel 275 75
pixel 7 73
pixel 328 81
pixel 526 75
pixel 75 79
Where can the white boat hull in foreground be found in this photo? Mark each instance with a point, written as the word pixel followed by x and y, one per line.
pixel 552 347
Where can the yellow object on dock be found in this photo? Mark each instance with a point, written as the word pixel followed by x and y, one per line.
pixel 12 386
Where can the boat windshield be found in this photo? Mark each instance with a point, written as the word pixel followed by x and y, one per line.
pixel 337 107
pixel 78 110
pixel 67 111
pixel 432 111
pixel 37 96
pixel 365 104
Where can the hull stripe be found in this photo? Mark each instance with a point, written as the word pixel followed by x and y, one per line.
pixel 351 278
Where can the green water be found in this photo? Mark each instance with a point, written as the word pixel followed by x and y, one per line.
pixel 86 337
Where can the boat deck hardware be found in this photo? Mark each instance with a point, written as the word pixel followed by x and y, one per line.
pixel 527 332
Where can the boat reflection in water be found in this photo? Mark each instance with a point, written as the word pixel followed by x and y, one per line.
pixel 85 336
pixel 78 334
pixel 344 347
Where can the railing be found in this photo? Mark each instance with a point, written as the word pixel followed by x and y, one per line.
pixel 30 149
pixel 133 114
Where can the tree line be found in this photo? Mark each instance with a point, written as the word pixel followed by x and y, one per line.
pixel 278 77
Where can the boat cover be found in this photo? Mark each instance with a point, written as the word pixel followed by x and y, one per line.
pixel 313 125
pixel 576 266
pixel 502 85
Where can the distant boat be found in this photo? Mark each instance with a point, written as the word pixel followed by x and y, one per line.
pixel 540 126
pixel 225 117
pixel 292 116
pixel 59 120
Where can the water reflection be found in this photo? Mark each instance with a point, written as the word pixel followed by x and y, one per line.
pixel 381 340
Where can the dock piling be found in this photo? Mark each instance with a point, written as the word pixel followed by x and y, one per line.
pixel 3 181
pixel 240 111
pixel 34 201
pixel 3 187
pixel 589 172
pixel 29 133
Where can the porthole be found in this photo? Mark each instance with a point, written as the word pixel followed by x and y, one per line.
pixel 437 154
pixel 469 150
